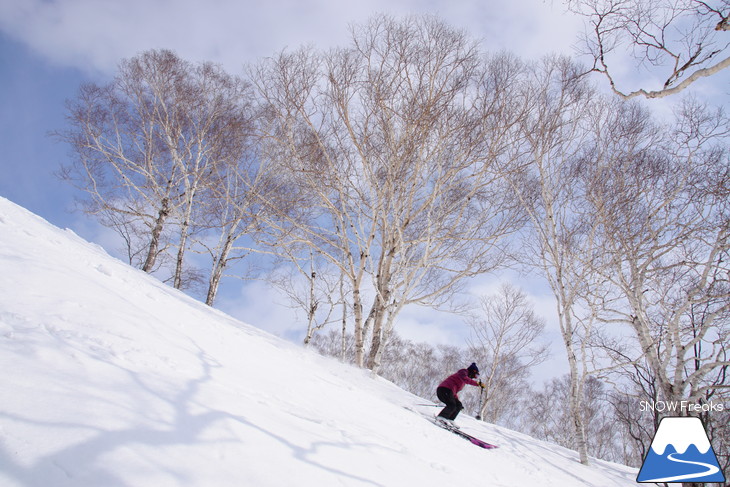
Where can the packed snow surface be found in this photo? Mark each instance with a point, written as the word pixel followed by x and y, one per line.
pixel 111 378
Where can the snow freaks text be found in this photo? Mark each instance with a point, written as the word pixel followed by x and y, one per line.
pixel 680 407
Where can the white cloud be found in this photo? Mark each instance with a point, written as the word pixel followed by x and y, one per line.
pixel 424 325
pixel 94 35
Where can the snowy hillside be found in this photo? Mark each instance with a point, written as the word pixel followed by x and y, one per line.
pixel 110 378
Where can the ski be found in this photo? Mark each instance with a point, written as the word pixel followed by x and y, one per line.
pixel 455 429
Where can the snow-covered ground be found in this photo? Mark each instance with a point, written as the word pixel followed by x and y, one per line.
pixel 110 378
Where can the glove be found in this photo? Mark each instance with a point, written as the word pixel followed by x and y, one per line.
pixel 480 384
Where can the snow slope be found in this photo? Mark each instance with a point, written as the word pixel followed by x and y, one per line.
pixel 111 378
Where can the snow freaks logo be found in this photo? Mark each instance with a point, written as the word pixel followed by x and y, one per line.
pixel 680 452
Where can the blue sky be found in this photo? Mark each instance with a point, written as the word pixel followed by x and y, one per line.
pixel 32 95
pixel 49 47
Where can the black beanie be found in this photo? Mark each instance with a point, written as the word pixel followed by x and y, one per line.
pixel 473 368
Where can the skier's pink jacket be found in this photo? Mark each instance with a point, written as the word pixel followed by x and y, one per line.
pixel 457 381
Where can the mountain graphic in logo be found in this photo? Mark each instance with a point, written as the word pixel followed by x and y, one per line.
pixel 680 452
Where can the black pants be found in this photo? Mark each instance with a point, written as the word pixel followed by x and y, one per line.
pixel 453 405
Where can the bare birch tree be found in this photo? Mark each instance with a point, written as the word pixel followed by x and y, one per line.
pixel 554 131
pixel 147 144
pixel 660 209
pixel 504 339
pixel 231 214
pixel 664 217
pixel 311 288
pixel 400 138
pixel 544 421
pixel 678 41
pixel 122 166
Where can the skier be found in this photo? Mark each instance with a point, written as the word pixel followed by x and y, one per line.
pixel 448 391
